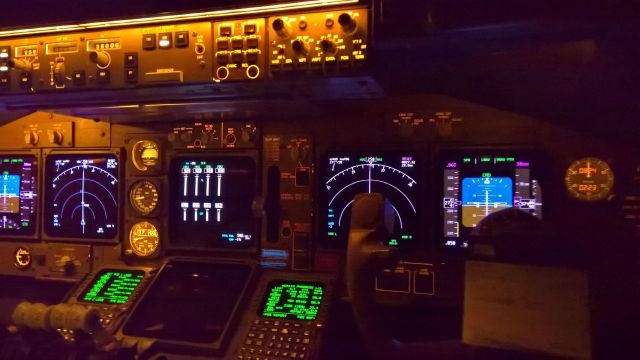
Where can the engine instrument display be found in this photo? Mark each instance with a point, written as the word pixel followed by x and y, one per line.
pixel 394 176
pixel 82 195
pixel 144 239
pixel 111 286
pixel 589 179
pixel 144 197
pixel 18 194
pixel 292 300
pixel 476 186
pixel 211 201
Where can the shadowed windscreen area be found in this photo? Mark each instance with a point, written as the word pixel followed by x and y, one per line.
pixel 44 12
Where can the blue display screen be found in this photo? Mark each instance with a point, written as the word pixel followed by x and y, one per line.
pixel 483 196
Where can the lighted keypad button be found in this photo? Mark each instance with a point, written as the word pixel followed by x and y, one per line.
pixel 165 40
pixel 237 43
pixel 250 28
pixel 225 30
pixel 130 60
pixel 222 44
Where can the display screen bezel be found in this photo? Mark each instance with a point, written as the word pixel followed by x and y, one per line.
pixel 182 155
pixel 420 170
pixel 33 235
pixel 45 191
pixel 442 156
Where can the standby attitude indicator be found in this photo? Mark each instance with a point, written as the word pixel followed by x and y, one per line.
pixel 82 196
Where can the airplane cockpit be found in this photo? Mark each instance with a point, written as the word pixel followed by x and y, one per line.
pixel 319 179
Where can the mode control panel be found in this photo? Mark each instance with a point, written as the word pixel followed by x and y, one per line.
pixel 205 134
pixel 324 43
pixel 239 48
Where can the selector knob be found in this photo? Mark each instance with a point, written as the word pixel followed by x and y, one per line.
pixel 328 47
pixel 55 137
pixel 101 58
pixel 20 64
pixel 230 139
pixel 300 47
pixel 281 27
pixel 31 138
pixel 59 73
pixel 347 23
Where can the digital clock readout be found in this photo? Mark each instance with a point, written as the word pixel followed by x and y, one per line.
pixel 112 286
pixel 292 300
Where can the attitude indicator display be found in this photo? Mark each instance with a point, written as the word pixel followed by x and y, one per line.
pixel 394 176
pixel 18 194
pixel 82 196
pixel 476 186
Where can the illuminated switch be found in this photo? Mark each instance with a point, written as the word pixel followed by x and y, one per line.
pixel 223 44
pixel 79 78
pixel 149 41
pixel 237 57
pixel 252 43
pixel 165 40
pixel 5 52
pixel 131 75
pixel 225 30
pixel 130 60
pixel 182 39
pixel 5 82
pixel 223 58
pixel 252 58
pixel 424 281
pixel 103 76
pixel 25 80
pixel 250 28
pixel 237 44
pixel 394 281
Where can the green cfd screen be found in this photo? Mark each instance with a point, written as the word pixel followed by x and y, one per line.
pixel 293 300
pixel 111 286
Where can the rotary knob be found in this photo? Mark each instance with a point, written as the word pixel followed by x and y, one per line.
pixel 300 47
pixel 101 58
pixel 20 64
pixel 281 27
pixel 56 137
pixel 59 73
pixel 31 138
pixel 328 47
pixel 347 23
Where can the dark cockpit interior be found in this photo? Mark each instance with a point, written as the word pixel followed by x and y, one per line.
pixel 319 179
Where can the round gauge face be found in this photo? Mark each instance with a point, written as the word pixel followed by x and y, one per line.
pixel 144 197
pixel 589 179
pixel 144 239
pixel 145 154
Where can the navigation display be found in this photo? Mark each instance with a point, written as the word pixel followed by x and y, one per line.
pixel 81 196
pixel 111 286
pixel 477 185
pixel 292 300
pixel 395 176
pixel 211 201
pixel 18 194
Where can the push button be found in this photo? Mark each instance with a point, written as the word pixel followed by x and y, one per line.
pixel 182 39
pixel 79 78
pixel 130 60
pixel 225 30
pixel 104 76
pixel 250 28
pixel 131 75
pixel 165 40
pixel 237 43
pixel 252 43
pixel 25 80
pixel 223 44
pixel 149 41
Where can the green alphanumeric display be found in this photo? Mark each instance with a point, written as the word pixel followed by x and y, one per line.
pixel 292 300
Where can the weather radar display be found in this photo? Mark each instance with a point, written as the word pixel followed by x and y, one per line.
pixel 478 186
pixel 82 196
pixel 395 177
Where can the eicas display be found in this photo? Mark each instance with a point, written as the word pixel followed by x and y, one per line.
pixel 393 176
pixel 211 201
pixel 477 186
pixel 82 196
pixel 18 194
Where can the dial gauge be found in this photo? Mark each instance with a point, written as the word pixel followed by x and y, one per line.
pixel 589 179
pixel 144 197
pixel 144 239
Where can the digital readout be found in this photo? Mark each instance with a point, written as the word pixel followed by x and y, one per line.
pixel 112 286
pixel 292 300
